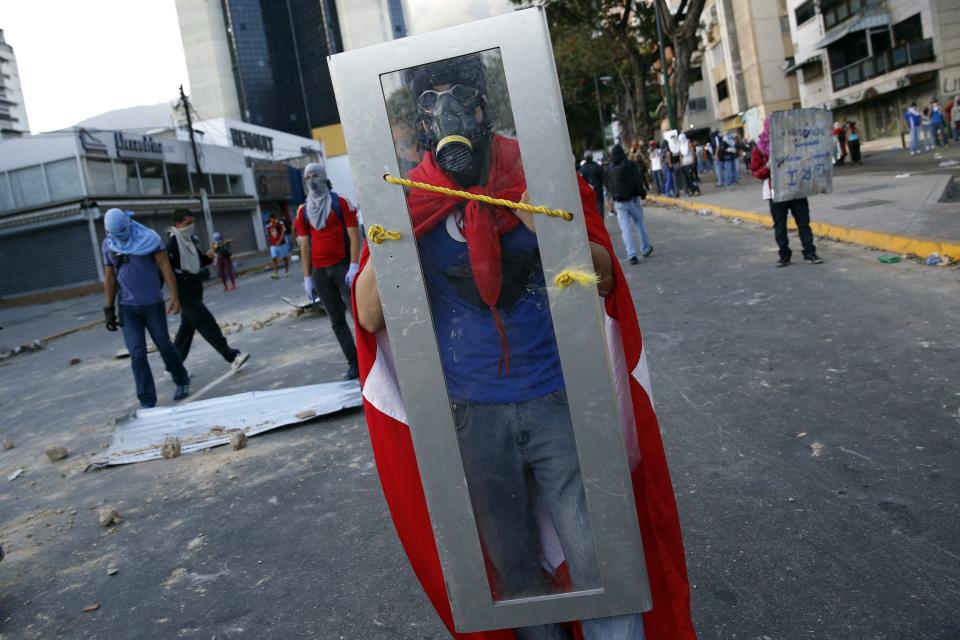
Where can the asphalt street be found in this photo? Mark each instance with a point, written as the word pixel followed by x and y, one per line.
pixel 811 416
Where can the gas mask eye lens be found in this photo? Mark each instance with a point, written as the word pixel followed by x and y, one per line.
pixel 464 94
pixel 428 100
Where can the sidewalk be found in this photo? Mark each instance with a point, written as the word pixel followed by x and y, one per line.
pixel 870 208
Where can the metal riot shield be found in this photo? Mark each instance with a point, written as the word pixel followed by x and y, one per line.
pixel 801 151
pixel 505 376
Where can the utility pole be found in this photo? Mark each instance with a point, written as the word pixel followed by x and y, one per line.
pixel 204 203
pixel 603 129
pixel 668 98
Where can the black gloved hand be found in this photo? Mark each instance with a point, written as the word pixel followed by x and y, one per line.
pixel 110 318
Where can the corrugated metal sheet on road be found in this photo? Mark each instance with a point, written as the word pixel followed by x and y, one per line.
pixel 210 423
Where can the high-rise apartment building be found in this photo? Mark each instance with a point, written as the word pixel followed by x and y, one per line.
pixel 13 113
pixel 740 77
pixel 264 62
pixel 867 60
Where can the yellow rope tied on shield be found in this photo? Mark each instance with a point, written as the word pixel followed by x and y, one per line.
pixel 378 234
pixel 466 195
pixel 568 277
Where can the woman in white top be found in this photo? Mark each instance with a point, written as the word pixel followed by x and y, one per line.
pixel 656 167
pixel 687 160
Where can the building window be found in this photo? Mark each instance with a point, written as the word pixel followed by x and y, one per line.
pixel 722 91
pixel 717 55
pixel 151 177
pixel 696 105
pixel 236 185
pixel 100 177
pixel 811 72
pixel 63 179
pixel 804 12
pixel 28 187
pixel 907 31
pixel 696 74
pixel 6 198
pixel 785 25
pixel 128 181
pixel 178 178
pixel 220 185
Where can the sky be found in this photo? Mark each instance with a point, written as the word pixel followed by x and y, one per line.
pixel 78 59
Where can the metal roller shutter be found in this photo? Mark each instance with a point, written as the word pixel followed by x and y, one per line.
pixel 237 226
pixel 46 258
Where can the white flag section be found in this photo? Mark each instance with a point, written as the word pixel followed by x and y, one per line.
pixel 210 423
pixel 801 153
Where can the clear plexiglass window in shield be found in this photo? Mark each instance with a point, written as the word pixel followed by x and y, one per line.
pixel 452 126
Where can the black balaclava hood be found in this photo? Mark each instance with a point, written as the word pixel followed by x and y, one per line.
pixel 617 155
pixel 449 129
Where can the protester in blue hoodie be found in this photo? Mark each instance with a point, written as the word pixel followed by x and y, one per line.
pixel 134 261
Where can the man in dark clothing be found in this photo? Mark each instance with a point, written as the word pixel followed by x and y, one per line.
pixel 187 260
pixel 593 175
pixel 625 184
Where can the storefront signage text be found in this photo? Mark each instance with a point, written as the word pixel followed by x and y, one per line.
pixel 250 140
pixel 146 145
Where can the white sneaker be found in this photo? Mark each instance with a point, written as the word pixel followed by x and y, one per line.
pixel 239 360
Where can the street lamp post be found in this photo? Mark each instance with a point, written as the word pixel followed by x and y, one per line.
pixel 603 128
pixel 668 98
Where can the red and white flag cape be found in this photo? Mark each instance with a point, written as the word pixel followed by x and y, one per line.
pixel 656 507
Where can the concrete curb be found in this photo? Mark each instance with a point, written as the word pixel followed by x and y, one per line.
pixel 864 237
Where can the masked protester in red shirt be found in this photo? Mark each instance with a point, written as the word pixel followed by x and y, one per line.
pixel 326 226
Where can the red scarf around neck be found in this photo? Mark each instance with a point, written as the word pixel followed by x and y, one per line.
pixel 483 223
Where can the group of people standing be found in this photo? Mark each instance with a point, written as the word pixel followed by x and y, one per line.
pixel 935 124
pixel 138 264
pixel 846 138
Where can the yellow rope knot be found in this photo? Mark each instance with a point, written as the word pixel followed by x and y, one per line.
pixel 584 278
pixel 378 234
pixel 466 195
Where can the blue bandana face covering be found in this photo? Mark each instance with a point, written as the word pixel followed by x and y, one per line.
pixel 126 236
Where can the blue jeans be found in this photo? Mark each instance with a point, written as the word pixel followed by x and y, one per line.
pixel 728 171
pixel 137 319
pixel 914 139
pixel 627 212
pixel 658 180
pixel 670 183
pixel 512 454
pixel 718 171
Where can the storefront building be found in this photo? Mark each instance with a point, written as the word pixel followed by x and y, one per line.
pixel 54 189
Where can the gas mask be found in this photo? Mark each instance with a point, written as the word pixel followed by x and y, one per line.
pixel 452 128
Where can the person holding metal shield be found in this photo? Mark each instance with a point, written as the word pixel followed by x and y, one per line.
pixel 487 293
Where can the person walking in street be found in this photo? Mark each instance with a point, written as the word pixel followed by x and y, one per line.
pixel 183 247
pixel 656 167
pixel 326 226
pixel 224 260
pixel 624 182
pixel 853 141
pixel 593 174
pixel 499 358
pixel 277 236
pixel 914 121
pixel 799 207
pixel 134 261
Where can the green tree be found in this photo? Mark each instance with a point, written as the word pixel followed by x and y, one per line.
pixel 681 30
pixel 605 37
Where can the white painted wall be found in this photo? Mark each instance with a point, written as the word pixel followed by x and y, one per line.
pixel 212 86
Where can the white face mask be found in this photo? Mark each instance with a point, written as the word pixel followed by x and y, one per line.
pixel 189 228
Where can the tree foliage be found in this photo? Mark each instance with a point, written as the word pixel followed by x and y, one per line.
pixel 681 30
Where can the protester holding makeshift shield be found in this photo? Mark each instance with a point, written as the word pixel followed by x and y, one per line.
pixel 489 303
pixel 801 165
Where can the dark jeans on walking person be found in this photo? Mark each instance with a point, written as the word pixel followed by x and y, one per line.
pixel 195 317
pixel 137 320
pixel 331 286
pixel 800 208
pixel 854 146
